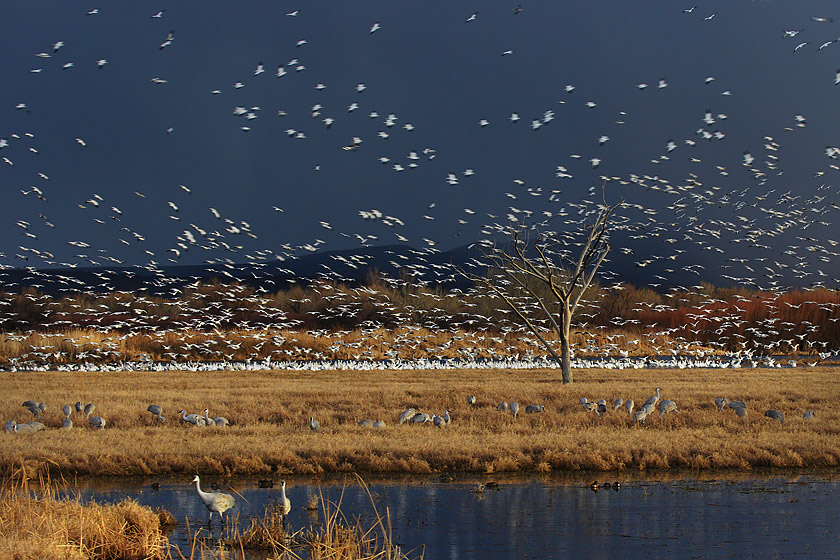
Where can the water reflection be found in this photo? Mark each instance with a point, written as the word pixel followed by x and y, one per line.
pixel 757 517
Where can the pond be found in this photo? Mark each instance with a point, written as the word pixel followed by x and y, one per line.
pixel 752 516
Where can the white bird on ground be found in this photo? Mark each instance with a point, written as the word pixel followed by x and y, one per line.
pixel 215 502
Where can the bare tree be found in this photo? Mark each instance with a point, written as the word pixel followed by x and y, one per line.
pixel 543 282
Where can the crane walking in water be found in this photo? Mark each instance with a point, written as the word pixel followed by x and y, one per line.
pixel 218 502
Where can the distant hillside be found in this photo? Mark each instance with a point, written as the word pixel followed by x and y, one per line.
pixel 350 265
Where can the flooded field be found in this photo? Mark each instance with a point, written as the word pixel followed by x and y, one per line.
pixel 752 516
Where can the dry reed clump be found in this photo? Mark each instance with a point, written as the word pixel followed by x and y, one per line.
pixel 336 538
pixel 50 523
pixel 270 410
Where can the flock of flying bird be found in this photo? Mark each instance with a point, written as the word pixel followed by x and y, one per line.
pixel 763 234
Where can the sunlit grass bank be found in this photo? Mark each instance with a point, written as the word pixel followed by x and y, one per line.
pixel 269 412
pixel 45 522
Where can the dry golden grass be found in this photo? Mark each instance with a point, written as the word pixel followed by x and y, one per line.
pixel 50 525
pixel 270 410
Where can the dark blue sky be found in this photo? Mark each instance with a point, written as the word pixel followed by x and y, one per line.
pixel 432 70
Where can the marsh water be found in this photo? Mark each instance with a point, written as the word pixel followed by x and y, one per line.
pixel 796 515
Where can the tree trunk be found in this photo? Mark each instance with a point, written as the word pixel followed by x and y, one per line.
pixel 565 351
pixel 565 360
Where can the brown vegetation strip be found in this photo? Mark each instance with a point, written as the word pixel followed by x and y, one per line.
pixel 52 525
pixel 270 410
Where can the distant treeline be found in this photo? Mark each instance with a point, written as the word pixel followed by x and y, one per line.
pixel 729 319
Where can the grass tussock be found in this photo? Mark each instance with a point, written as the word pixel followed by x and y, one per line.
pixel 336 538
pixel 51 524
pixel 269 412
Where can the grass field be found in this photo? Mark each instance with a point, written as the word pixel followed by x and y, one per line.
pixel 270 410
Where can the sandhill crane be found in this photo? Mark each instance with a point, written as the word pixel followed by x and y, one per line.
pixel 35 408
pixel 219 421
pixel 446 417
pixel 67 423
pixel 602 407
pixel 89 408
pixel 79 406
pixel 156 411
pixel 314 425
pixel 217 502
pixel 617 403
pixel 438 421
pixel 721 402
pixel 66 409
pixel 590 406
pixel 471 399
pixel 740 411
pixel 775 415
pixel 366 423
pixel 629 404
pixel 533 408
pixel 667 406
pixel 285 503
pixel 12 426
pixel 420 418
pixel 190 418
pixel 379 424
pixel 640 415
pixel 652 400
pixel 809 414
pixel 503 407
pixel 514 409
pixel 736 404
pixel 407 414
pixel 97 422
